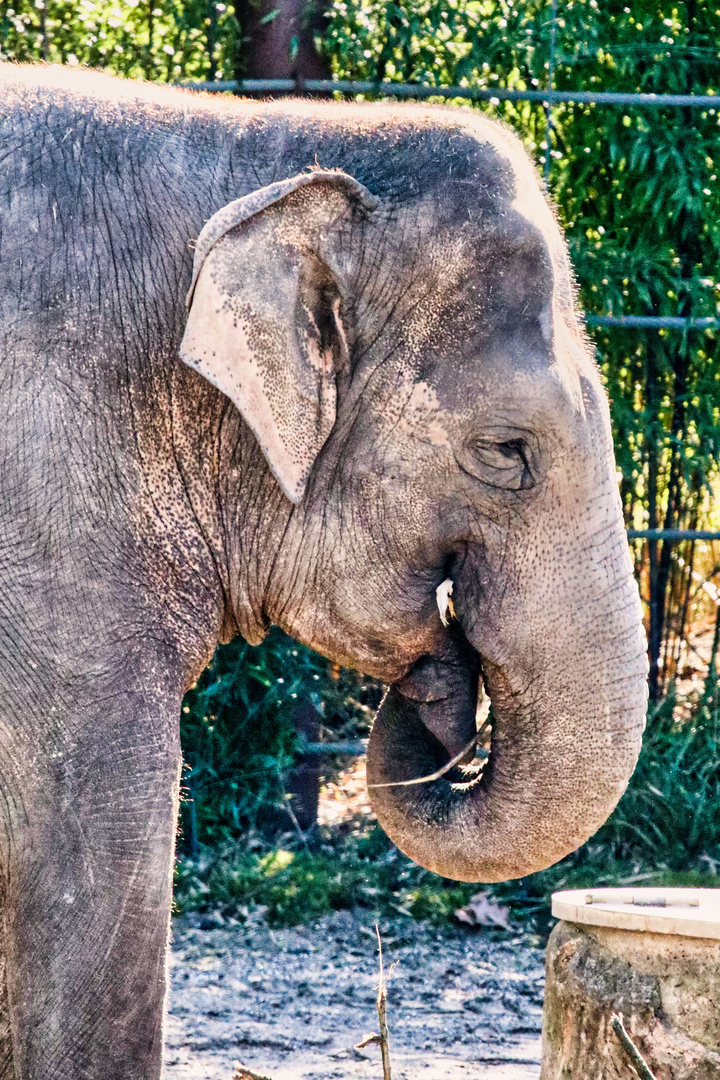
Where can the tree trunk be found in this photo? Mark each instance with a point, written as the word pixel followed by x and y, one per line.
pixel 665 987
pixel 278 39
pixel 303 781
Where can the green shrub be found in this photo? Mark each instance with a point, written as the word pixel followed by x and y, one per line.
pixel 292 884
pixel 238 734
pixel 670 813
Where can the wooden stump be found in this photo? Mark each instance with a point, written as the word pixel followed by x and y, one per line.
pixel 666 987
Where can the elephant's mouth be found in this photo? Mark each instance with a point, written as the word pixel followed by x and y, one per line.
pixel 466 765
pixel 486 797
pixel 454 710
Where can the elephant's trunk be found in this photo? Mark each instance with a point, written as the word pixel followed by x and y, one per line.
pixel 566 730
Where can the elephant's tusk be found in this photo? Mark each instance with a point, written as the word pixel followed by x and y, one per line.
pixel 444 603
pixel 440 772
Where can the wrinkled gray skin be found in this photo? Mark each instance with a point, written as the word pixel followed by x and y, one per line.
pixel 431 408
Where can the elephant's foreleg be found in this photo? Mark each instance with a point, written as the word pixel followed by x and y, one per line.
pixel 7 1069
pixel 89 878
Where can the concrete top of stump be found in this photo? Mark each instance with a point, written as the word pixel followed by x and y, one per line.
pixel 685 912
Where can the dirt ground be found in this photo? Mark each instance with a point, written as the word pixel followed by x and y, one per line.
pixel 291 1004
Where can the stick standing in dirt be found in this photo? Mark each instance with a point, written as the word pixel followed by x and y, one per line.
pixel 382 1012
pixel 383 1039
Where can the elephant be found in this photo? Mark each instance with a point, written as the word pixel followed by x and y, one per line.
pixel 295 363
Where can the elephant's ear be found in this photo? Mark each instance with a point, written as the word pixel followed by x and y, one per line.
pixel 265 322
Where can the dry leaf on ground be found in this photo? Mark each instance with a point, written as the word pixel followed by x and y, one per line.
pixel 482 911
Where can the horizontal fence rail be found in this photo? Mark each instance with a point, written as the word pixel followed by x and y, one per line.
pixel 672 534
pixel 470 93
pixel 653 322
pixel 355 748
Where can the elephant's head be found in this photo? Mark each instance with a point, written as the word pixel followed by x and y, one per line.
pixel 414 372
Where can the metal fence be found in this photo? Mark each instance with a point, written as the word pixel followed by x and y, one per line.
pixel 468 93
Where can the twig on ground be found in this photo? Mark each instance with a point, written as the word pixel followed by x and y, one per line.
pixel 383 1039
pixel 634 1056
pixel 243 1073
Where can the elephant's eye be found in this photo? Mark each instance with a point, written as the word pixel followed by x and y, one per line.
pixel 498 464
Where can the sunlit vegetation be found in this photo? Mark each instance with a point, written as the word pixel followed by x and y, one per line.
pixel 158 40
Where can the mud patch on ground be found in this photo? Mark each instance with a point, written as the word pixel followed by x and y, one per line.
pixel 291 1004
